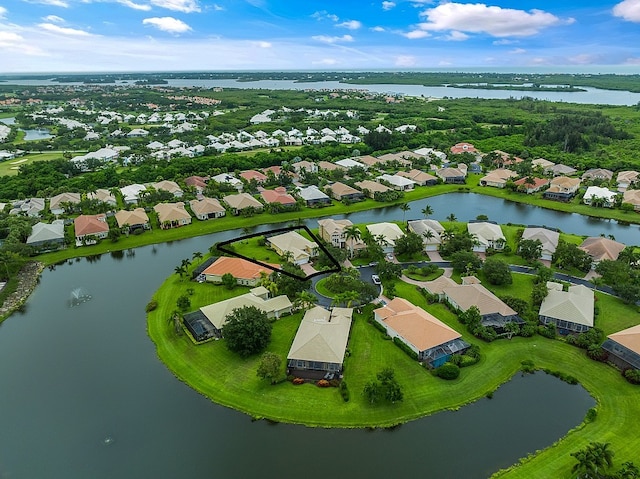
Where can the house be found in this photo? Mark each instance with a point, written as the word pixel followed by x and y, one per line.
pixel 463 147
pixel 31 207
pixel 437 286
pixel 131 193
pixel 342 192
pixel 333 232
pixel 242 201
pixel 388 234
pixel 600 248
pixel 89 228
pixel 137 133
pixel 217 313
pixel 254 175
pixel 494 312
pixel 304 165
pixel 626 179
pixel 103 195
pixel 433 341
pixel 542 163
pixel 57 203
pixel 395 158
pixel 399 183
pixel 246 273
pixel 198 182
pixel 562 188
pixel 328 166
pixel 560 170
pixel 229 179
pixel 632 197
pixel 321 341
pixel 172 215
pixel 505 159
pixel 300 248
pixel 371 187
pixel 489 236
pixel 44 234
pixel 497 178
pixel 278 195
pixel 419 177
pixel 430 230
pixel 601 174
pixel 456 176
pixel 312 196
pixel 598 196
pixel 570 311
pixel 548 238
pixel 530 184
pixel 623 348
pixel 135 219
pixel 431 153
pixel 351 163
pixel 207 208
pixel 170 186
pixel 370 161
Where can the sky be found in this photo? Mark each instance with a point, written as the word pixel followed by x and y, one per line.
pixel 199 35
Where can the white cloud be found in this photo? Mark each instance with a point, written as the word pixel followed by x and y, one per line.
pixel 217 8
pixel 518 51
pixel 9 38
pixel 495 21
pixel 456 36
pixel 405 61
pixel 53 19
pixel 325 61
pixel 378 29
pixel 504 41
pixel 328 39
pixel 167 24
pixel 388 5
pixel 350 24
pixel 632 61
pixel 628 10
pixel 414 34
pixel 185 6
pixel 53 3
pixel 3 12
pixel 74 32
pixel 262 44
pixel 135 6
pixel 324 15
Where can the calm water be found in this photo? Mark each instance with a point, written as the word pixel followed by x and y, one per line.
pixel 37 134
pixel 74 376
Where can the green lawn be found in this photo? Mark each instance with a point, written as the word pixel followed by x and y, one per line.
pixel 251 248
pixel 11 167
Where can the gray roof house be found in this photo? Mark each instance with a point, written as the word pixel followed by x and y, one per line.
pixel 47 234
pixel 313 196
pixel 548 238
pixel 570 311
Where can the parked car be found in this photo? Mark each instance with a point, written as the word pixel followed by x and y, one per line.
pixel 375 278
pixel 390 257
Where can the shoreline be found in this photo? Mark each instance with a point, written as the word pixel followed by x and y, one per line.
pixel 28 278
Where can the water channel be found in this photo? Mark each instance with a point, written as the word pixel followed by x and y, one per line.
pixel 84 394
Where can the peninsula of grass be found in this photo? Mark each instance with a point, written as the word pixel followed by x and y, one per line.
pixel 229 380
pixel 322 289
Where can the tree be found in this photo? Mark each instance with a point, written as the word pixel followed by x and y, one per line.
pixel 409 244
pixel 352 235
pixel 465 262
pixel 497 271
pixel 386 387
pixel 183 302
pixel 530 250
pixel 404 207
pixel 228 281
pixel 305 300
pixel 427 211
pixel 388 270
pixel 270 367
pixel 452 217
pixel 247 330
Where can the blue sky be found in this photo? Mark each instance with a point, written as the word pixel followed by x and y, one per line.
pixel 163 35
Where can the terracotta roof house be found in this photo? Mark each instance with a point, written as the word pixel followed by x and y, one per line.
pixel 632 197
pixel 245 272
pixel 494 312
pixel 421 178
pixel 560 170
pixel 395 157
pixel 599 196
pixel 300 248
pixel 389 231
pixel 562 188
pixel 328 166
pixel 399 183
pixel 44 234
pixel 198 182
pixel 547 237
pixel 56 203
pixel 341 192
pixel 433 341
pixel 312 196
pixel 278 195
pixel 570 311
pixel 430 230
pixel 253 175
pixel 135 219
pixel 452 175
pixel 530 184
pixel 598 174
pixel 623 348
pixel 463 147
pixel 371 187
pixel 626 179
pixel 241 201
pixel 88 227
pixel 207 208
pixel 497 178
pixel 172 215
pixel 489 235
pixel 321 341
pixel 276 170
pixel 600 248
pixel 170 186
pixel 103 195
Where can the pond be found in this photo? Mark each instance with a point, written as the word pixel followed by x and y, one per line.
pixel 36 134
pixel 84 395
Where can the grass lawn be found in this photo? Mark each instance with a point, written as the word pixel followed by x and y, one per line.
pixel 12 167
pixel 229 380
pixel 252 249
pixel 322 288
pixel 421 277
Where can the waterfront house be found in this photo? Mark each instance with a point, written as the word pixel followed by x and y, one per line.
pixel 420 178
pixel 598 196
pixel 488 236
pixel 497 178
pixel 172 215
pixel 342 192
pixel 397 182
pixel 562 188
pixel 623 348
pixel 371 187
pixel 278 195
pixel 44 234
pixel 570 311
pixel 387 232
pixel 133 220
pixel 312 196
pixel 207 208
pixel 456 176
pixel 531 184
pixel 90 228
pixel 292 242
pixel 246 273
pixel 242 201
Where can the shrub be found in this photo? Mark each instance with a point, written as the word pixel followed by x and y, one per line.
pixel 448 371
pixel 344 391
pixel 334 383
pixel 596 353
pixel 591 415
pixel 297 381
pixel 528 330
pixel 151 306
pixel 548 331
pixel 411 353
pixel 323 383
pixel 527 366
pixel 632 375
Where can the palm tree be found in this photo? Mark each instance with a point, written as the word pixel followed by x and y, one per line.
pixel 452 217
pixel 404 207
pixel 427 211
pixel 350 297
pixel 428 235
pixel 352 234
pixel 305 300
pixel 197 255
pixel 180 270
pixel 602 455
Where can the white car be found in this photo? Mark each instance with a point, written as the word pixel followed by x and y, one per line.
pixel 375 278
pixel 390 257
